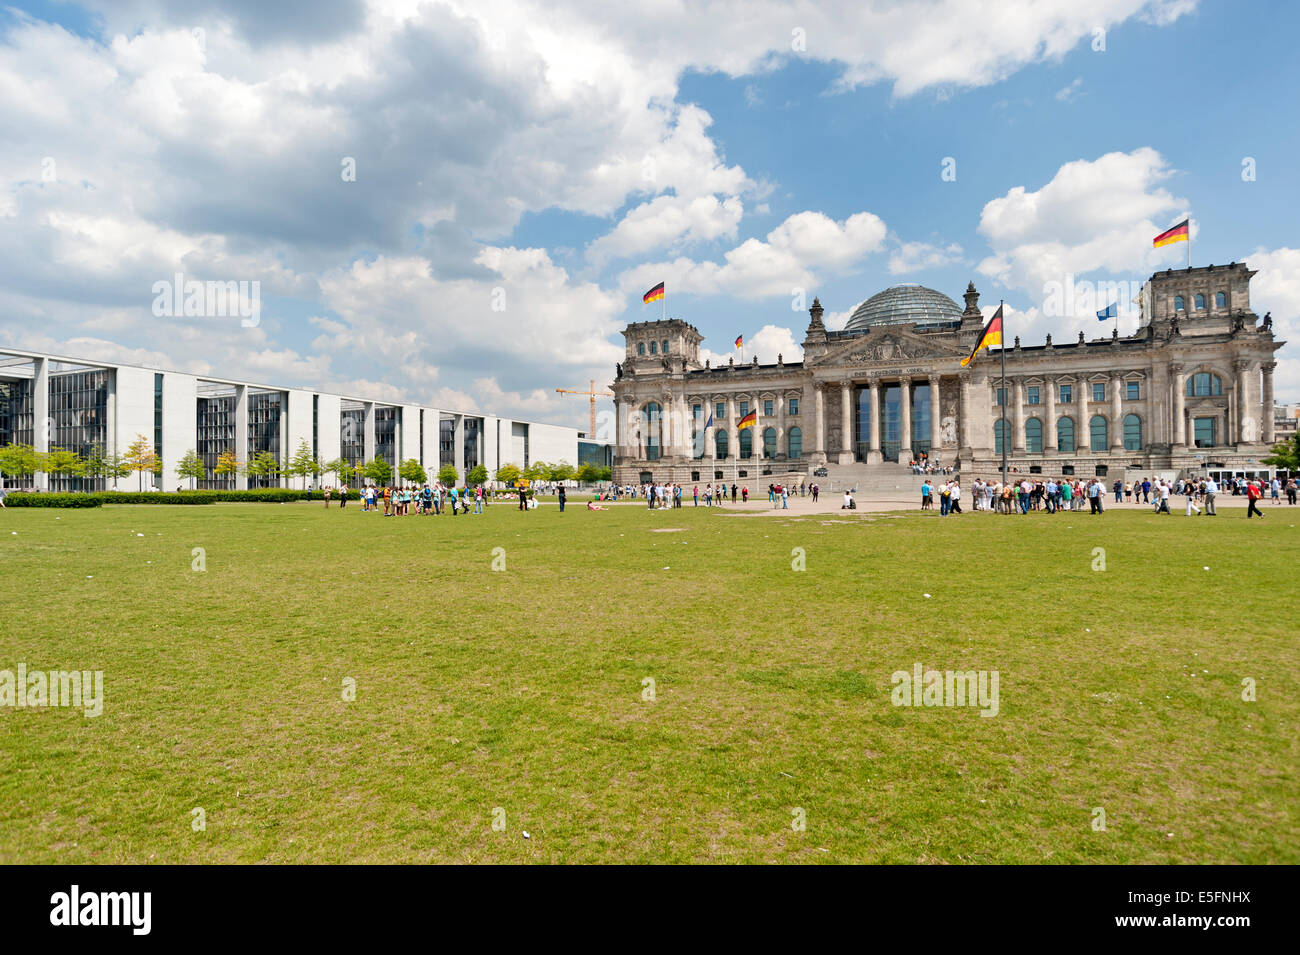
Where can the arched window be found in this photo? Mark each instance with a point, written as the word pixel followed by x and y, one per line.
pixel 654 348
pixel 720 442
pixel 1203 384
pixel 794 440
pixel 998 437
pixel 746 441
pixel 1097 437
pixel 653 415
pixel 1179 304
pixel 1065 435
pixel 769 442
pixel 640 348
pixel 1033 435
pixel 1220 300
pixel 1132 433
pixel 664 347
pixel 1200 302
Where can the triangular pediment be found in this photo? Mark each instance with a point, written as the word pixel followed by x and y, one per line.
pixel 890 345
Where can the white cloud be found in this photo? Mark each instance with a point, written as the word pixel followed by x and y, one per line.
pixel 1276 289
pixel 669 221
pixel 915 256
pixel 780 265
pixel 1068 92
pixel 769 343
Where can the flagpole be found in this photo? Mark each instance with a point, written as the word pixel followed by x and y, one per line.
pixel 1003 350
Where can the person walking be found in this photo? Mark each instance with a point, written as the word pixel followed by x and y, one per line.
pixel 785 498
pixel 562 498
pixel 1253 494
pixel 1211 492
pixel 954 497
pixel 1094 496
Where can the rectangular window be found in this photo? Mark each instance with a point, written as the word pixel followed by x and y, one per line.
pixel 1203 432
pixel 720 411
pixel 1031 394
pixel 1131 391
pixel 696 412
pixel 1066 393
pixel 744 408
pixel 767 408
pixel 1098 391
pixel 1000 399
pixel 792 406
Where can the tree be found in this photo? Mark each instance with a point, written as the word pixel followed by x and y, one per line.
pixel 606 474
pixel 140 457
pixel 536 471
pixel 378 470
pixel 589 473
pixel 19 460
pixel 302 463
pixel 228 464
pixel 264 465
pixel 559 471
pixel 317 467
pixel 191 466
pixel 60 461
pixel 412 471
pixel 508 474
pixel 477 475
pixel 1285 456
pixel 447 475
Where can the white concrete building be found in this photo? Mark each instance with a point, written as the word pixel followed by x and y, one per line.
pixel 81 404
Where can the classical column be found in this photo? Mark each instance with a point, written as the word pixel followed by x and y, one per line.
pixel 963 411
pixel 1180 416
pixel 781 446
pixel 733 438
pixel 846 423
pixel 1082 427
pixel 936 426
pixel 873 455
pixel 1017 445
pixel 1116 413
pixel 819 422
pixel 1266 404
pixel 905 420
pixel 1243 400
pixel 1049 426
pixel 619 430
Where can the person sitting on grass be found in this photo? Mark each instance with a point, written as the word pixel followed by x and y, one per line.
pixel 593 506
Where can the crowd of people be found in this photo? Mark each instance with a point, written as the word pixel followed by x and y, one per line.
pixel 428 499
pixel 1073 495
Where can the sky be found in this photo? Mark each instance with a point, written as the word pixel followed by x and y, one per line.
pixel 461 203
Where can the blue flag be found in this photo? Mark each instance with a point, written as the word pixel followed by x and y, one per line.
pixel 1110 311
pixel 709 423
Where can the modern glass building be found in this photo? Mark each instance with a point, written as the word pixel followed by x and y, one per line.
pixel 100 409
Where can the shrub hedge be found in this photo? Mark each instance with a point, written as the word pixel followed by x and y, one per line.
pixel 270 495
pixel 20 499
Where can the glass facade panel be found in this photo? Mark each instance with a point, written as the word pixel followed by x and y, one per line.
pixel 1097 433
pixel 215 433
pixel 79 422
pixel 1065 435
pixel 264 411
pixel 1203 431
pixel 1132 433
pixel 352 436
pixel 920 419
pixel 892 432
pixel 1034 436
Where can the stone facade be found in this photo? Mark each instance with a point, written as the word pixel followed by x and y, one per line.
pixel 1192 388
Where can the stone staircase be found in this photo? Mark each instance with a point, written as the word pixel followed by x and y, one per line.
pixel 886 478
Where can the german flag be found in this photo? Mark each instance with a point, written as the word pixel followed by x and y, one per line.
pixel 992 335
pixel 748 421
pixel 740 340
pixel 654 295
pixel 1177 234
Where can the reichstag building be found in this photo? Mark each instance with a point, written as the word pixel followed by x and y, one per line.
pixel 1190 391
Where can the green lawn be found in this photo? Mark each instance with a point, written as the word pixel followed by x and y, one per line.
pixel 522 689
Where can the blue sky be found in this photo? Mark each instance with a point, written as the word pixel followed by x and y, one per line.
pixel 524 171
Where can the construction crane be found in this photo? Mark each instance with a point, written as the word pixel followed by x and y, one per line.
pixel 594 394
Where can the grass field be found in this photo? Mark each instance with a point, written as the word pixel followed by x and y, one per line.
pixel 522 689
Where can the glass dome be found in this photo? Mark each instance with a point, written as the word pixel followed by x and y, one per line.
pixel 904 305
